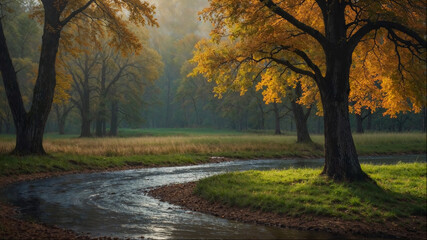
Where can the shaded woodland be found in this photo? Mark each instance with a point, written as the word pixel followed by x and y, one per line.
pixel 104 90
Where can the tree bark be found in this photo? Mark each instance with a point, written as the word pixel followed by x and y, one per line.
pixel 30 126
pixel 303 136
pixel 85 127
pixel 341 159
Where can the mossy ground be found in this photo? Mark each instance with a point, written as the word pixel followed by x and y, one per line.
pixel 399 192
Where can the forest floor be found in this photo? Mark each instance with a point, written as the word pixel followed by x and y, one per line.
pixel 69 155
pixel 394 207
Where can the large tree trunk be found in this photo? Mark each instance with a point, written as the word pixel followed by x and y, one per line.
pixel 341 160
pixel 114 125
pixel 30 126
pixel 303 136
pixel 29 138
pixel 300 117
pixel 85 127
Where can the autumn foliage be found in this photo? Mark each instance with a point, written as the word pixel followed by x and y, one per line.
pixel 345 55
pixel 69 24
pixel 249 41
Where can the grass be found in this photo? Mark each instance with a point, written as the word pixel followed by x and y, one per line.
pixel 400 193
pixel 165 147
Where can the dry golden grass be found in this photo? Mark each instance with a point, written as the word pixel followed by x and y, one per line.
pixel 209 144
pixel 160 145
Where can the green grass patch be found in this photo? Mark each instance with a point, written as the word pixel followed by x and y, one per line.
pixel 401 192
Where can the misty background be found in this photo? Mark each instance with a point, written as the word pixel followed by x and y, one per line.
pixel 153 90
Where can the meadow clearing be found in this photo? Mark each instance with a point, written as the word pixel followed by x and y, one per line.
pixel 166 147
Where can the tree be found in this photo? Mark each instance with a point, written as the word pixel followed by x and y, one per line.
pixel 56 15
pixel 61 99
pixel 318 40
pixel 82 70
pixel 138 72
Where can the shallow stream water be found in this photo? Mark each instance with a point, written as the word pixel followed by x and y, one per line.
pixel 116 204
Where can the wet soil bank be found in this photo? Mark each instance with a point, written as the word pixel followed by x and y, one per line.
pixel 182 195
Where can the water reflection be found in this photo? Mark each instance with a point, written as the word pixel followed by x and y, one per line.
pixel 115 204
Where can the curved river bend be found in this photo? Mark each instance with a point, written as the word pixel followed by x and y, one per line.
pixel 116 204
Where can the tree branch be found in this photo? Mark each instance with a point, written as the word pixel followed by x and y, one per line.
pixel 363 31
pixel 73 14
pixel 10 80
pixel 292 20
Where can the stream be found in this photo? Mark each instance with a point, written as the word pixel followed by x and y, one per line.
pixel 116 204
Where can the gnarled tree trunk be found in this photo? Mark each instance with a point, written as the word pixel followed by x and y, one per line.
pixel 30 125
pixel 341 159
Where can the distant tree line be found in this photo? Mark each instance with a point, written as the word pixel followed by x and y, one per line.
pixel 100 89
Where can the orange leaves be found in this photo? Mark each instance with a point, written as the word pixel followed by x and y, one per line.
pixel 250 41
pixel 63 86
pixel 380 80
pixel 112 18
